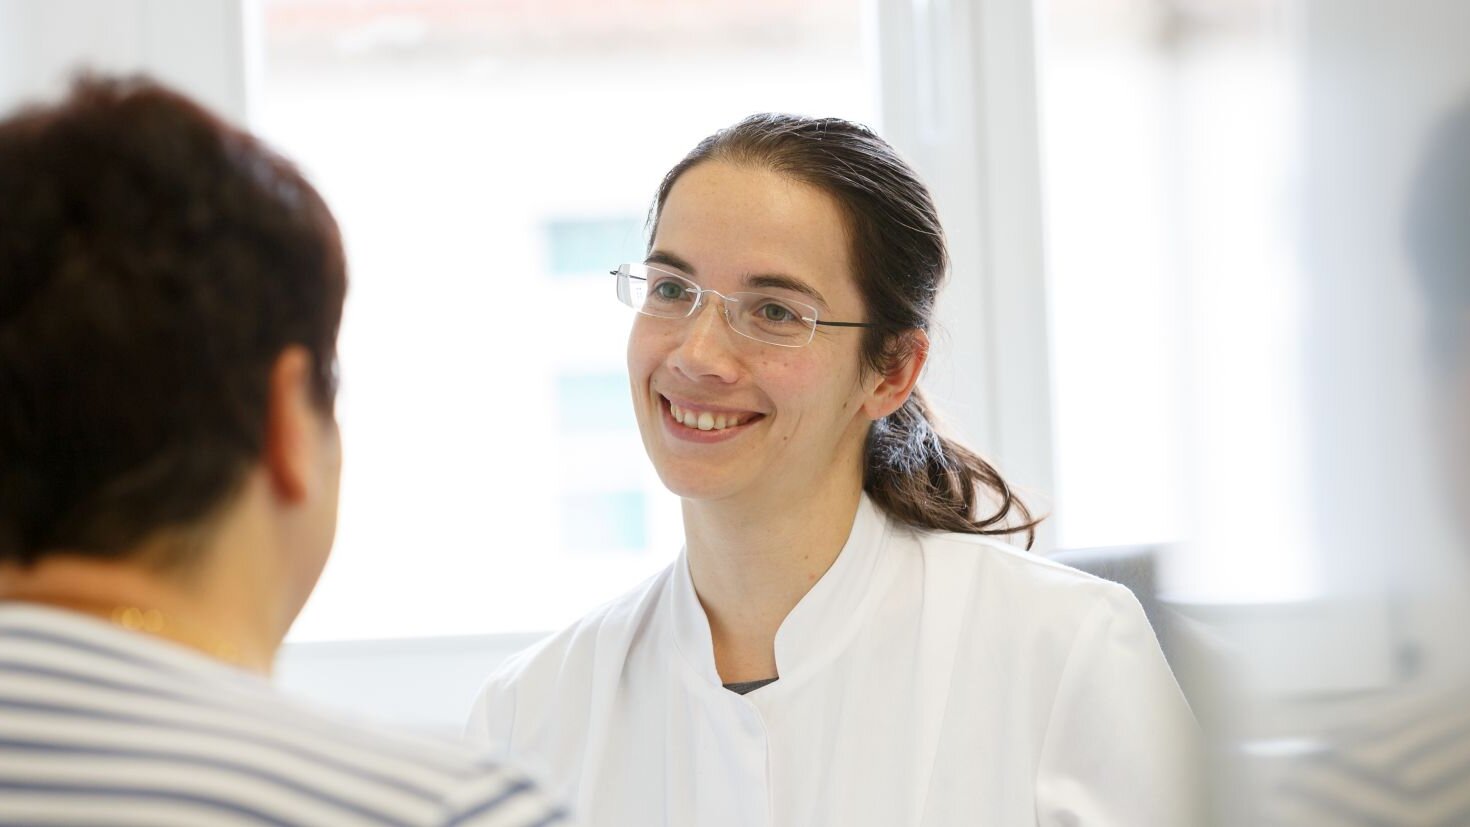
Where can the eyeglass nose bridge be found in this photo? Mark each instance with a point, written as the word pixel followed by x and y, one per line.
pixel 725 302
pixel 699 294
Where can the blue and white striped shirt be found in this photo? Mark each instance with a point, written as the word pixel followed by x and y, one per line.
pixel 99 725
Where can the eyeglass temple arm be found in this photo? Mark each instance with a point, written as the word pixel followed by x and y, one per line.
pixel 844 324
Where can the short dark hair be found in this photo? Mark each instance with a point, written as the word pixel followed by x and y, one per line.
pixel 913 471
pixel 154 263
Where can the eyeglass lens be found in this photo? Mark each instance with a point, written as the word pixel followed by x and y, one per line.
pixel 759 316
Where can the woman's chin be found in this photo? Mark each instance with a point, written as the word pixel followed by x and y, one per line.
pixel 692 490
pixel 693 483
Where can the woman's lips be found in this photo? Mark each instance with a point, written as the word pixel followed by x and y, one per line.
pixel 688 419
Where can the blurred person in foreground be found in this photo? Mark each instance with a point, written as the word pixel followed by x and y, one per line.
pixel 1402 757
pixel 170 294
pixel 1439 242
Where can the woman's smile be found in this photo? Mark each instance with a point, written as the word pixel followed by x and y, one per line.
pixel 702 423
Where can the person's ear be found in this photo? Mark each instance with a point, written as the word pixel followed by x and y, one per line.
pixel 897 383
pixel 292 426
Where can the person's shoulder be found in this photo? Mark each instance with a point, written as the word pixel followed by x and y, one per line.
pixel 221 739
pixel 613 624
pixel 986 556
pixel 1017 578
pixel 552 683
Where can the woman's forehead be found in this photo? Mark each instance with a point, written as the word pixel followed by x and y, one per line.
pixel 732 220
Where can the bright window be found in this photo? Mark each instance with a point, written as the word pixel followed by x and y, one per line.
pixel 489 163
pixel 1169 140
pixel 580 247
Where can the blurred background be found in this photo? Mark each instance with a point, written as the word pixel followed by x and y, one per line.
pixel 1205 259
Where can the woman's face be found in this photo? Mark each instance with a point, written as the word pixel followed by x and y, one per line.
pixel 793 417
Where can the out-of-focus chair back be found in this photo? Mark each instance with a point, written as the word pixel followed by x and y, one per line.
pixel 1132 566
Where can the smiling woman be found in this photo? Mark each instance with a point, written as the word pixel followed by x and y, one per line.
pixel 839 642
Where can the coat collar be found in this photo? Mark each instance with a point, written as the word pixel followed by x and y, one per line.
pixel 819 627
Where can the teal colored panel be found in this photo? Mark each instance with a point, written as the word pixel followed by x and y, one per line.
pixel 604 520
pixel 594 402
pixel 586 247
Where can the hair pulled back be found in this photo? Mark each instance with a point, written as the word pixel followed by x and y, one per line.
pixel 912 470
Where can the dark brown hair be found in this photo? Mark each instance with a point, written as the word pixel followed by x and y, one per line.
pixel 154 263
pixel 911 469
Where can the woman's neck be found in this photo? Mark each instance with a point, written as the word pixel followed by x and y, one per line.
pixel 752 564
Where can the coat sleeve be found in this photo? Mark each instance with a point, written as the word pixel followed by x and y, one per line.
pixel 492 716
pixel 1121 747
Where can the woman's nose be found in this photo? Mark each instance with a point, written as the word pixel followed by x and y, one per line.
pixel 706 351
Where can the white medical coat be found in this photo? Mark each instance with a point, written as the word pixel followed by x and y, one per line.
pixel 926 679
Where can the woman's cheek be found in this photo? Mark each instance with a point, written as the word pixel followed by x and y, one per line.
pixel 798 385
pixel 642 351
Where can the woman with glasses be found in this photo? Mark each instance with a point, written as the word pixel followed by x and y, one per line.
pixel 841 641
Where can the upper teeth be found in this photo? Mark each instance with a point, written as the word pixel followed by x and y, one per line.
pixel 704 420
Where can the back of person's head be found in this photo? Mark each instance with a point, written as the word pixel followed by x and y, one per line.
pixel 154 264
pixel 913 471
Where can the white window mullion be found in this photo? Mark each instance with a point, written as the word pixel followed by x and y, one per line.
pixel 958 98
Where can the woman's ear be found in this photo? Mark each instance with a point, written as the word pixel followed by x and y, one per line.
pixel 897 383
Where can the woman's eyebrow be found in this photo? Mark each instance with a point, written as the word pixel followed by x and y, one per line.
pixel 784 282
pixel 775 281
pixel 668 259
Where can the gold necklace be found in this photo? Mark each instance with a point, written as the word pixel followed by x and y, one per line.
pixel 155 622
pixel 145 620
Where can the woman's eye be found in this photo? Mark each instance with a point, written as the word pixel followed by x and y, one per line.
pixel 669 290
pixel 771 312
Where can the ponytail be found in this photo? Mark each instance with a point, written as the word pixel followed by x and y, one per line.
pixel 926 480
